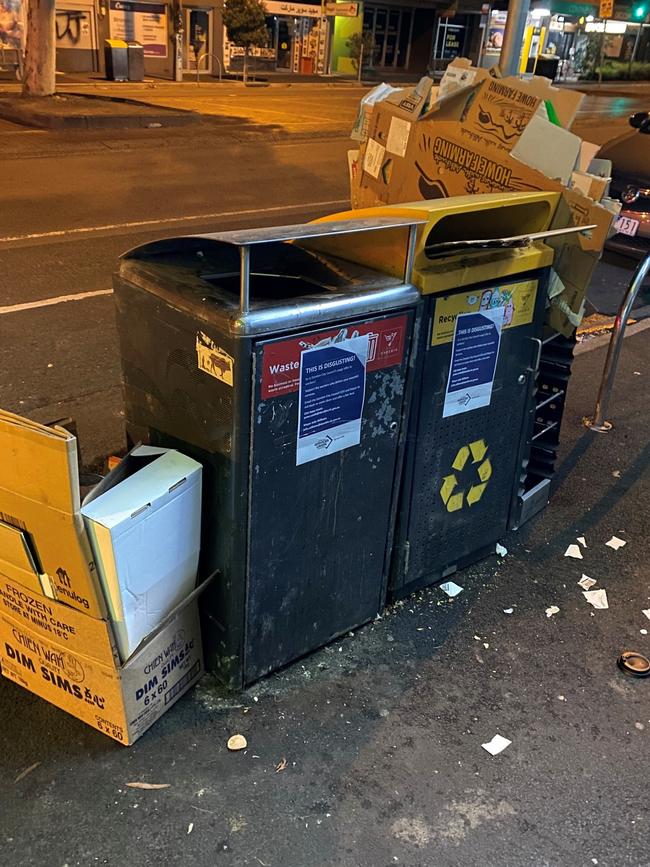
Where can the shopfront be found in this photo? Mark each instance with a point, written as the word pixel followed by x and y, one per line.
pixel 401 35
pixel 296 36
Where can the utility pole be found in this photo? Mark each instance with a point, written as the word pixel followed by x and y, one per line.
pixel 40 49
pixel 513 37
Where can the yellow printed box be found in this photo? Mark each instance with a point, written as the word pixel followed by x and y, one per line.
pixel 70 660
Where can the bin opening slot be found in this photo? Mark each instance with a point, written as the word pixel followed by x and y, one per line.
pixel 274 287
pixel 498 222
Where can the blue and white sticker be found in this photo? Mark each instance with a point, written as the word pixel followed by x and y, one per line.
pixel 474 355
pixel 331 397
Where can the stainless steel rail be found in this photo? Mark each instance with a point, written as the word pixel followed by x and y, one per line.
pixel 598 422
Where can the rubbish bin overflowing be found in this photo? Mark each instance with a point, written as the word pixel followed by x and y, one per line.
pixel 473 413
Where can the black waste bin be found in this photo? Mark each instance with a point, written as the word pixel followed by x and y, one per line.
pixel 116 59
pixel 135 53
pixel 547 66
pixel 285 373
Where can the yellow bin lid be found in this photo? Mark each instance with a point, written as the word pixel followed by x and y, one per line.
pixel 459 218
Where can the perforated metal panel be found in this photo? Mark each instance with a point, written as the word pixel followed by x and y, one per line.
pixel 462 472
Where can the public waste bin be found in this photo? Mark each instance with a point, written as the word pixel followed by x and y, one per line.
pixel 473 412
pixel 285 373
pixel 116 59
pixel 135 54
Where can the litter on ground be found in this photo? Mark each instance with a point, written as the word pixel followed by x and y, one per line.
pixel 496 745
pixel 501 550
pixel 646 611
pixel 573 551
pixel 616 543
pixel 586 582
pixel 597 598
pixel 553 609
pixel 508 610
pixel 582 541
pixel 451 589
pixel 237 742
pixel 139 785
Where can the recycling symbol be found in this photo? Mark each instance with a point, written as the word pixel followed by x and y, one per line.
pixel 455 499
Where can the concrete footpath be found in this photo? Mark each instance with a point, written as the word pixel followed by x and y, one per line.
pixel 368 753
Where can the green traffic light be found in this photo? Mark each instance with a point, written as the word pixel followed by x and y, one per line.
pixel 640 12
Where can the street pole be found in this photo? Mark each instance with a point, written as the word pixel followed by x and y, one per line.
pixel 179 29
pixel 602 53
pixel 40 49
pixel 513 37
pixel 633 55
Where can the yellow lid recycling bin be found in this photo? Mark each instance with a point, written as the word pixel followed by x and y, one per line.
pixel 474 388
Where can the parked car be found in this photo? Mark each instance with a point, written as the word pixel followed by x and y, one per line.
pixel 630 156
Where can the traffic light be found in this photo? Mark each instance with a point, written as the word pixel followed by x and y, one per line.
pixel 640 11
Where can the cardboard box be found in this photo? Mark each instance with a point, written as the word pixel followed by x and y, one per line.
pixel 71 660
pixel 407 104
pixel 39 498
pixel 468 143
pixel 143 520
pixel 362 123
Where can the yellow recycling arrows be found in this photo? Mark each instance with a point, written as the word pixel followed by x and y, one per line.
pixel 455 500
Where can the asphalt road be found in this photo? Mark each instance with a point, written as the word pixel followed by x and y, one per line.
pixel 73 202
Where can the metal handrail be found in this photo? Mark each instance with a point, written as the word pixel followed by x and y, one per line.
pixel 198 64
pixel 598 422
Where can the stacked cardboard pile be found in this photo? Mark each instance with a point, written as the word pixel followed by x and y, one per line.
pixel 97 609
pixel 481 134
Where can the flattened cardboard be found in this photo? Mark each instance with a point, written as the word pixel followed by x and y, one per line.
pixel 144 521
pixel 39 495
pixel 54 652
pixel 548 149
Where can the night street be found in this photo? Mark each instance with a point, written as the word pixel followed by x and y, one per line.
pixel 102 194
pixel 368 752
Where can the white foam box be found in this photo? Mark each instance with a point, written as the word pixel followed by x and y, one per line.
pixel 143 521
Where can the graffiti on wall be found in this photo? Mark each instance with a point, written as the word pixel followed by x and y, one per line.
pixel 11 23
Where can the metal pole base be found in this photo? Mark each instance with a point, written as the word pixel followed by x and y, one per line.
pixel 599 428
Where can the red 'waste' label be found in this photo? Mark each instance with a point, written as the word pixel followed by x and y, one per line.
pixel 281 360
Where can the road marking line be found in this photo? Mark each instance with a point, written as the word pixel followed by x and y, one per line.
pixel 50 302
pixel 137 224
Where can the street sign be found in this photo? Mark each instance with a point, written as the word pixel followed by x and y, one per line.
pixel 606 9
pixel 344 10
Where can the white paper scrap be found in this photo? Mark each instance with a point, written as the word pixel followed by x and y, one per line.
pixel 508 610
pixel 496 745
pixel 643 631
pixel 616 543
pixel 501 551
pixel 451 589
pixel 582 541
pixel 597 598
pixel 586 582
pixel 374 157
pixel 398 136
pixel 573 551
pixel 553 609
pixel 646 611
